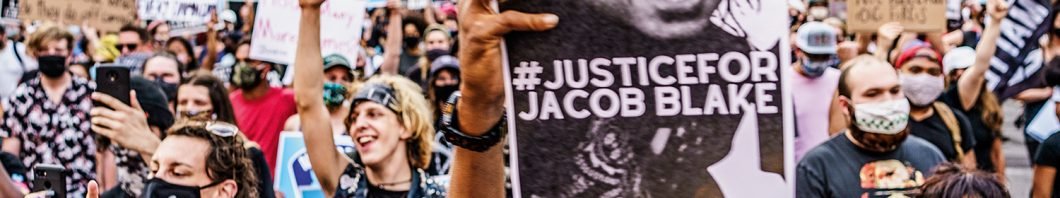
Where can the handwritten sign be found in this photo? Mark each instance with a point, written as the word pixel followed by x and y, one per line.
pixel 276 33
pixel 914 15
pixel 107 15
pixel 178 10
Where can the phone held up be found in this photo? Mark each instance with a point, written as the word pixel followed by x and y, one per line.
pixel 112 80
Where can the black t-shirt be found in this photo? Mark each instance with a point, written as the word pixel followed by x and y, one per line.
pixel 1049 155
pixel 838 168
pixel 375 192
pixel 984 137
pixel 934 130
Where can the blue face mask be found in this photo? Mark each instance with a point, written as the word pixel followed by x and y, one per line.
pixel 334 94
pixel 816 68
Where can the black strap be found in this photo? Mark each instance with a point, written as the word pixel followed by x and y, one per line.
pixel 14 49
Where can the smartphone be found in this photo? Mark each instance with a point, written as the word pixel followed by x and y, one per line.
pixel 113 80
pixel 50 177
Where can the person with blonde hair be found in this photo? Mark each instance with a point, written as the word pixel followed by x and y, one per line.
pixel 390 123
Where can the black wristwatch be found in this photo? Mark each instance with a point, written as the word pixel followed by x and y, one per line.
pixel 454 136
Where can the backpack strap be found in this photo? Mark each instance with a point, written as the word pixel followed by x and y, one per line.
pixel 952 124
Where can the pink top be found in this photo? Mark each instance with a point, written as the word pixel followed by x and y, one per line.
pixel 812 99
pixel 262 120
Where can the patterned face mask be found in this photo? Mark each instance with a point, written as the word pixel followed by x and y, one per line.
pixel 889 118
pixel 334 94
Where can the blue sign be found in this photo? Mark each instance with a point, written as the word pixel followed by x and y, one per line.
pixel 294 173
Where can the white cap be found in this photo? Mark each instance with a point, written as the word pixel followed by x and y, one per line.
pixel 228 16
pixel 816 38
pixel 959 58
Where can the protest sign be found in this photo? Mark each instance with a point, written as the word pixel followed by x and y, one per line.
pixel 1018 61
pixel 107 15
pixel 276 33
pixel 177 28
pixel 409 4
pixel 178 10
pixel 914 15
pixel 294 175
pixel 623 100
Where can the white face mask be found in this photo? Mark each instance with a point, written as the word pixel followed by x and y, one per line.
pixel 889 117
pixel 922 89
pixel 819 12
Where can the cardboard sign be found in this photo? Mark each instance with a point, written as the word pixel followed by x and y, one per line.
pixel 178 10
pixel 294 175
pixel 914 15
pixel 276 29
pixel 656 106
pixel 107 15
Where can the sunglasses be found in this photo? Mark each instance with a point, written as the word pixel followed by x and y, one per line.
pixel 131 47
pixel 222 129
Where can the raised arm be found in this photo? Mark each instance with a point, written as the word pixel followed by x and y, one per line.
pixel 308 88
pixel 211 44
pixel 885 39
pixel 481 174
pixel 248 21
pixel 392 47
pixel 971 82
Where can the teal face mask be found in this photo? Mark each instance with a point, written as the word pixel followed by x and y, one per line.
pixel 334 94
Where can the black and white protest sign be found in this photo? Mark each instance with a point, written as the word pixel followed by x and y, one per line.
pixel 178 10
pixel 1015 67
pixel 646 98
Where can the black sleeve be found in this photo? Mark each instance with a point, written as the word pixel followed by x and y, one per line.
pixel 967 132
pixel 264 178
pixel 952 97
pixel 1049 152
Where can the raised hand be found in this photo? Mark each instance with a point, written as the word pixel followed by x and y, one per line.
pixel 997 9
pixel 890 31
pixel 310 3
pixel 482 30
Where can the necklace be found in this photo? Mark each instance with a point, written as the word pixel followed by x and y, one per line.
pixel 391 184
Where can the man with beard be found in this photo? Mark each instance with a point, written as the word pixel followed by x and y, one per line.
pixel 260 109
pixel 876 156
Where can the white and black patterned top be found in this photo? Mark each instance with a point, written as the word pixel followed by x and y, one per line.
pixel 353 183
pixel 132 170
pixel 53 133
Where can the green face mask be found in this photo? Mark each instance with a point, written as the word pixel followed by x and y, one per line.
pixel 334 94
pixel 245 76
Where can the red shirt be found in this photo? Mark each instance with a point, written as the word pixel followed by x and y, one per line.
pixel 262 120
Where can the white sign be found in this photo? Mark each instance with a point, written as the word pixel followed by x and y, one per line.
pixel 276 29
pixel 178 10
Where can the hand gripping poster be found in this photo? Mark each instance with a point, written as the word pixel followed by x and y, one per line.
pixel 651 98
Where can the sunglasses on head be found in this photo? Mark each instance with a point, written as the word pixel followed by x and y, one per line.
pixel 131 47
pixel 222 129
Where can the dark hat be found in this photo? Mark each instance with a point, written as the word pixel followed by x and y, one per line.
pixel 153 101
pixel 444 62
pixel 336 60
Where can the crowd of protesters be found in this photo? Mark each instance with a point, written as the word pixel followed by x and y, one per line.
pixel 877 113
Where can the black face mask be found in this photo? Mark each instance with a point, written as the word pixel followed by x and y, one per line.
pixel 158 188
pixel 435 53
pixel 52 66
pixel 442 93
pixel 411 42
pixel 170 89
pixel 246 77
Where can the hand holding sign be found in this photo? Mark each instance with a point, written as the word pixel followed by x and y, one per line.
pixel 481 37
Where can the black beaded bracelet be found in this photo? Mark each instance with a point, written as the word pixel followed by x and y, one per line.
pixel 454 136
